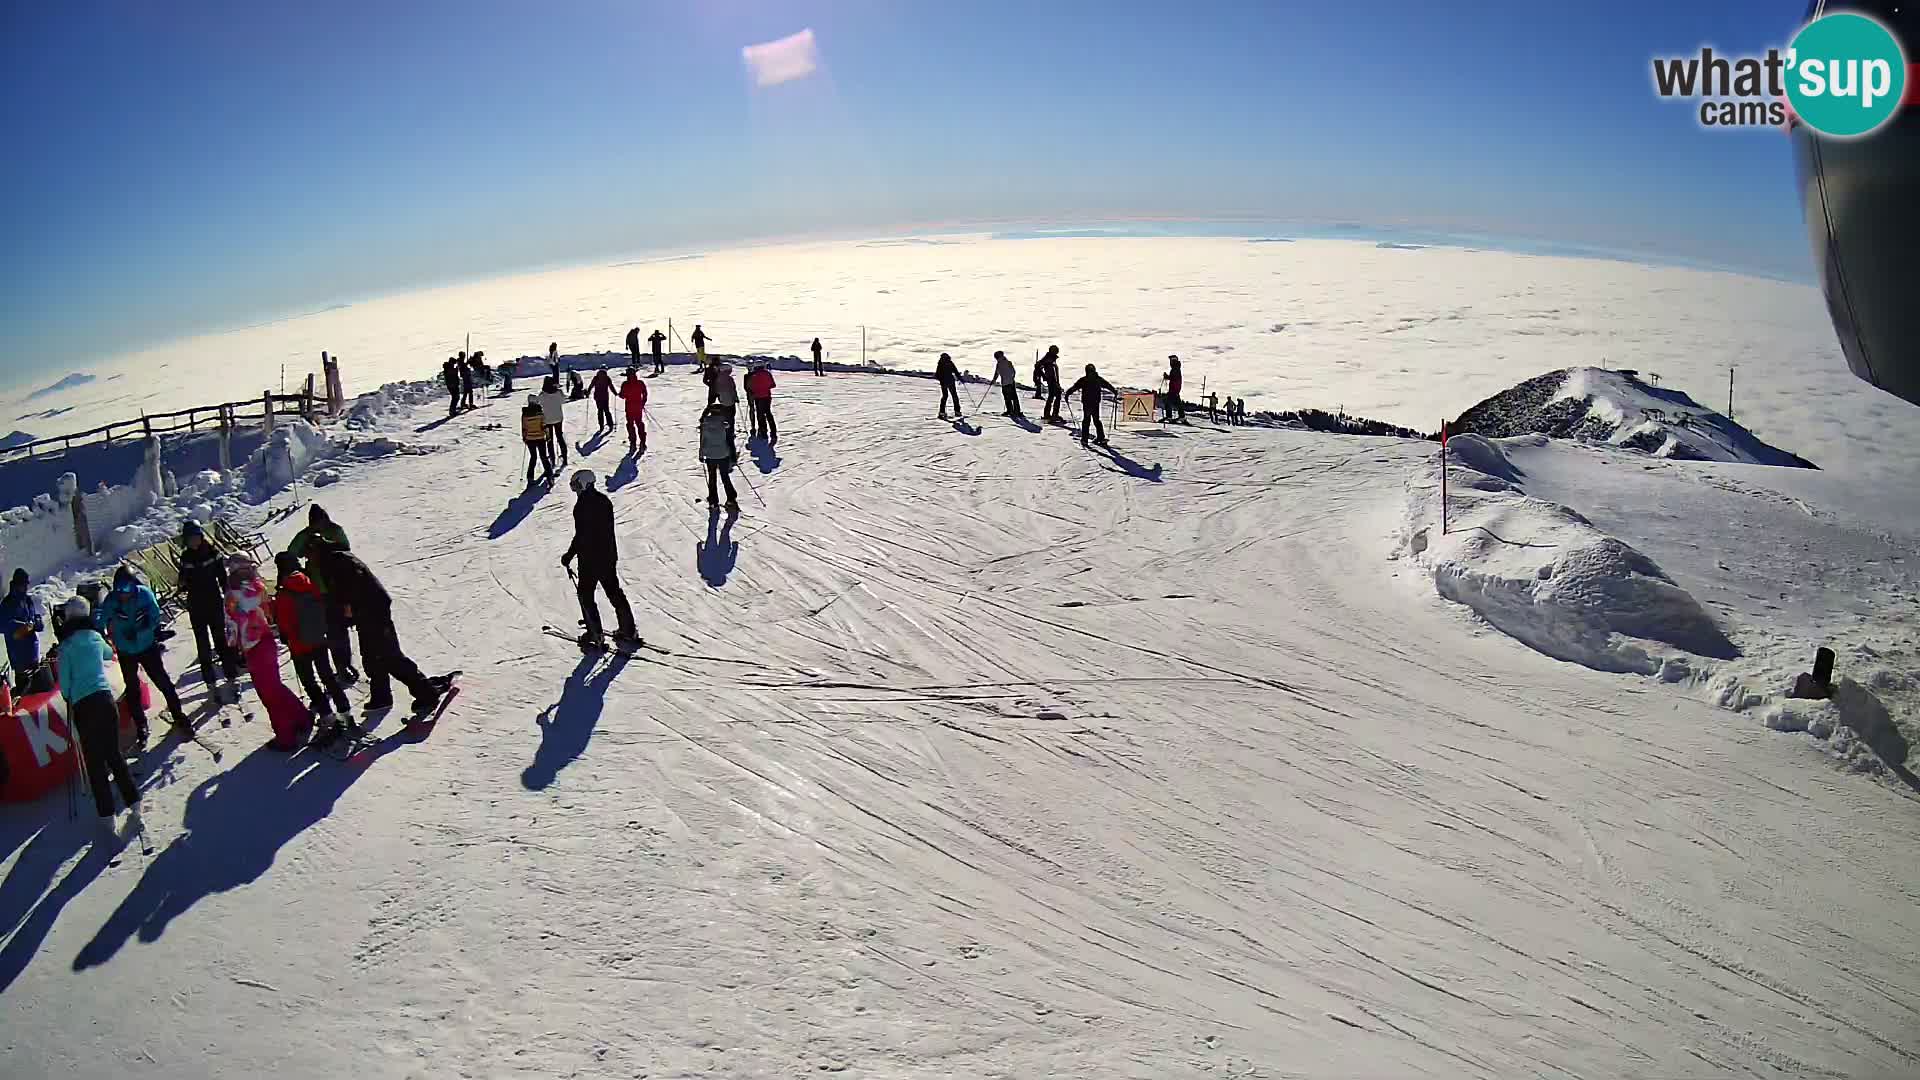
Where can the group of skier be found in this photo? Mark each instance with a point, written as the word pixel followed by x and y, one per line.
pixel 461 374
pixel 322 589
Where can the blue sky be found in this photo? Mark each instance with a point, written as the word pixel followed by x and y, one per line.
pixel 183 166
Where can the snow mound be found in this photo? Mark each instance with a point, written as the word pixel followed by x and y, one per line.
pixel 1617 407
pixel 1544 575
pixel 394 400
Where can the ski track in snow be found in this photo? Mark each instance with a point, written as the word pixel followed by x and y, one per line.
pixel 977 756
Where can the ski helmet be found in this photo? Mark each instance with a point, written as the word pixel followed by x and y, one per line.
pixel 582 480
pixel 76 609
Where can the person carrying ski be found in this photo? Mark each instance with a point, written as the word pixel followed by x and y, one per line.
pixel 452 379
pixel 718 454
pixel 300 618
pixel 720 388
pixel 553 406
pixel 603 400
pixel 465 371
pixel 818 367
pixel 203 577
pixel 250 632
pixel 131 617
pixel 699 346
pixel 633 346
pixel 1174 406
pixel 760 400
pixel 372 610
pixel 21 621
pixel 949 377
pixel 1009 384
pixel 533 432
pixel 1050 369
pixel 634 393
pixel 91 713
pixel 593 544
pixel 657 339
pixel 322 535
pixel 1091 386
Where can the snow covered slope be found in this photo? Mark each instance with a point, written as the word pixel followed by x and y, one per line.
pixel 1618 407
pixel 971 753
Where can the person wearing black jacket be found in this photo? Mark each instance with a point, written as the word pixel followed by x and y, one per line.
pixel 371 609
pixel 203 577
pixel 949 377
pixel 1050 374
pixel 818 369
pixel 633 346
pixel 451 375
pixel 1091 386
pixel 593 545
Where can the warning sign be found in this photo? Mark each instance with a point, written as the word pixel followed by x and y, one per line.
pixel 1137 405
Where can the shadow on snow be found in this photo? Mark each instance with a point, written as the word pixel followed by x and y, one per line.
pixel 764 455
pixel 567 725
pixel 517 509
pixel 717 554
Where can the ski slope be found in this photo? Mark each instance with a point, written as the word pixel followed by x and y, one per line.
pixel 970 753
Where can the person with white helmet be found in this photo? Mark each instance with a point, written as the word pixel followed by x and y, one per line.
pixel 91 709
pixel 593 544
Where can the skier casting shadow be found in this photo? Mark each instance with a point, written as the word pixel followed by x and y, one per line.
pixel 719 552
pixel 518 509
pixel 567 725
pixel 764 455
pixel 30 906
pixel 234 825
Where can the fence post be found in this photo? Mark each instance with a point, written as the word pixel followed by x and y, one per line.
pixel 226 438
pixel 306 401
pixel 1443 478
pixel 82 535
pixel 266 399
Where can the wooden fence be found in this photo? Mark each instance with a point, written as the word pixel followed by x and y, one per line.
pixel 223 417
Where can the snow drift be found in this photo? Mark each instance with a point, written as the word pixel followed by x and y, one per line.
pixel 1543 574
pixel 1617 407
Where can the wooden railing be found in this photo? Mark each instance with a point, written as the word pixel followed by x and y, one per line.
pixel 226 415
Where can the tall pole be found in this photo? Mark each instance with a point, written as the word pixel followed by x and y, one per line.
pixel 863 346
pixel 1729 391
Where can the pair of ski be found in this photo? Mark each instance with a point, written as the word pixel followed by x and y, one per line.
pixel 352 738
pixel 596 644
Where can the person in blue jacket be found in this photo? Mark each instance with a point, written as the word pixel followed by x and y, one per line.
pixel 90 707
pixel 21 621
pixel 130 616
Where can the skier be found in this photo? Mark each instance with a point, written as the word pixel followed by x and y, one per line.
pixel 452 379
pixel 91 713
pixel 553 405
pixel 1039 379
pixel 203 577
pixel 300 617
pixel 21 621
pixel 1174 405
pixel 1050 365
pixel 720 388
pixel 602 400
pixel 465 371
pixel 1240 409
pixel 553 361
pixel 593 543
pixel 482 374
pixel 506 377
pixel 818 368
pixel 1091 386
pixel 716 450
pixel 372 611
pixel 249 631
pixel 1009 384
pixel 533 432
pixel 760 400
pixel 576 387
pixel 1213 406
pixel 949 377
pixel 130 615
pixel 657 339
pixel 322 535
pixel 633 346
pixel 699 346
pixel 634 393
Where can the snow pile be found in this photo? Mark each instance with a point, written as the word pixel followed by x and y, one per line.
pixel 291 449
pixel 1854 726
pixel 393 400
pixel 1543 574
pixel 1617 407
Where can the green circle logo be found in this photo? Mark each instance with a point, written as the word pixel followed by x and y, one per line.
pixel 1846 74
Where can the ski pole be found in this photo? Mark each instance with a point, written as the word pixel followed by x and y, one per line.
pixel 755 490
pixel 984 393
